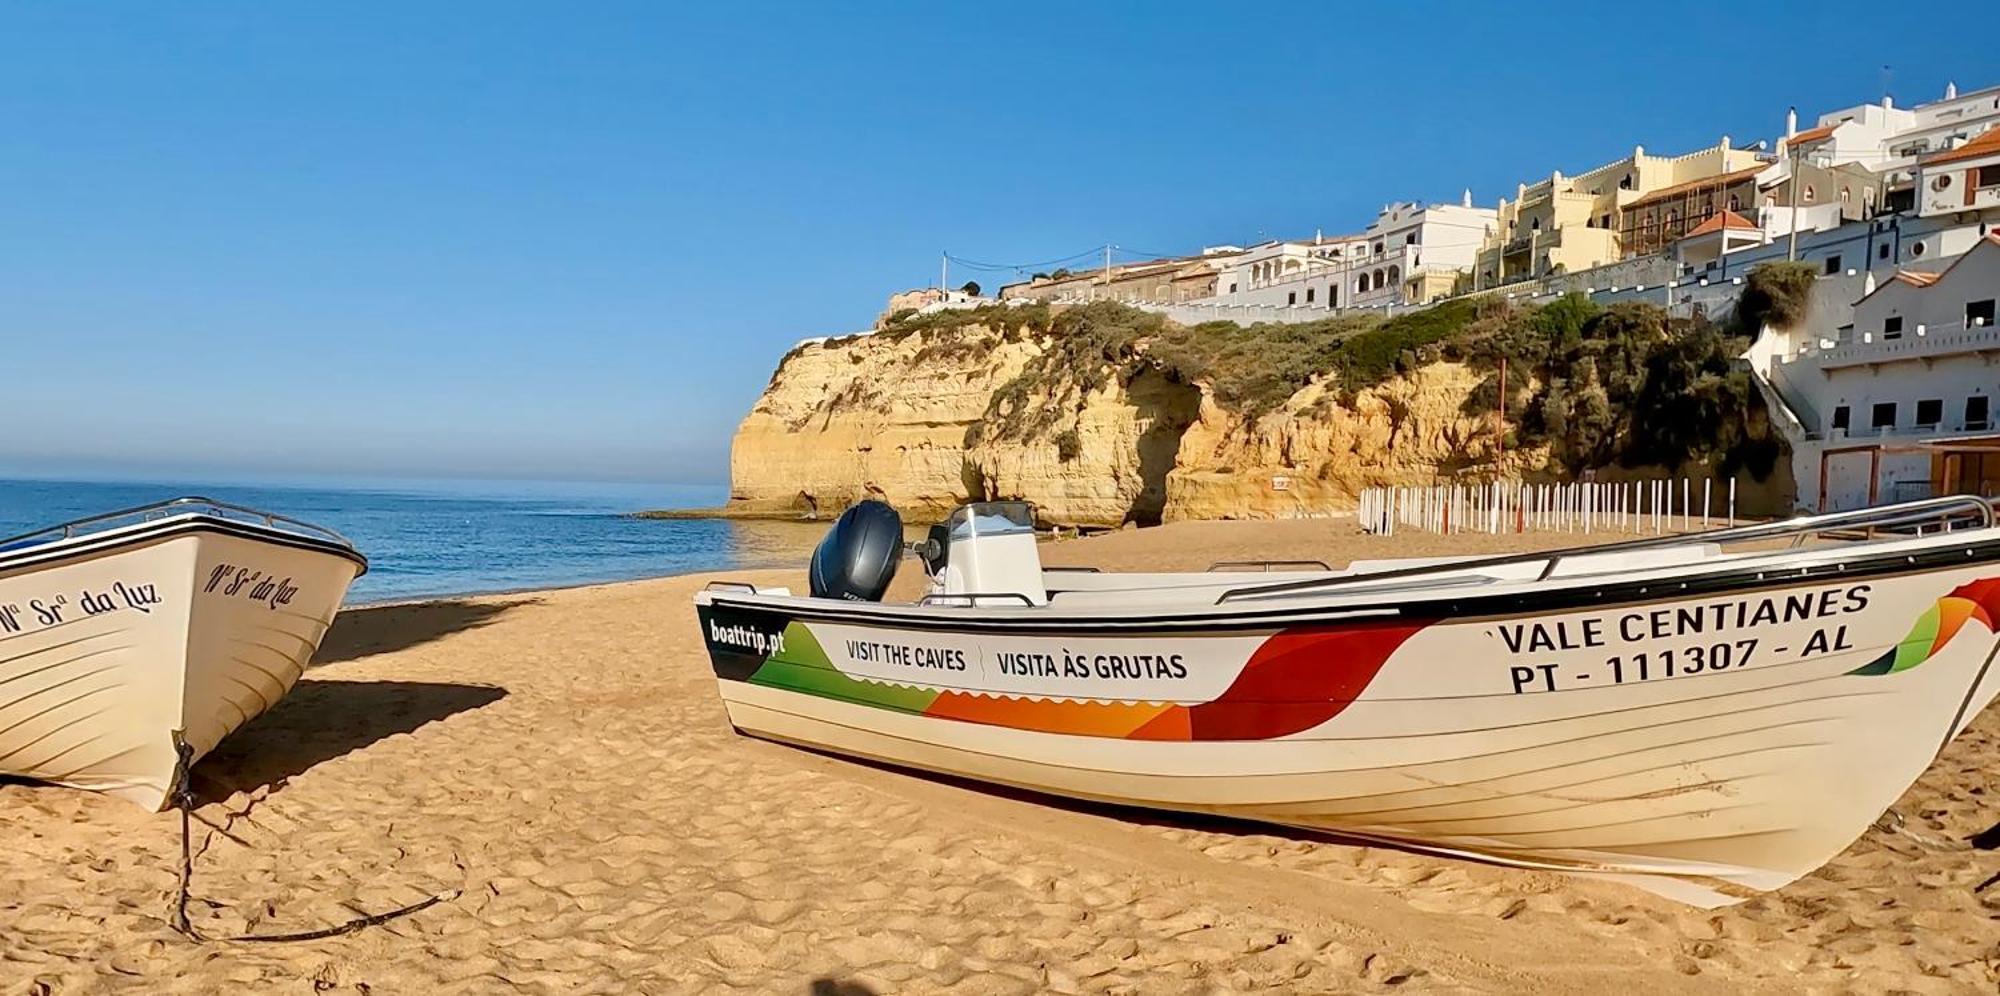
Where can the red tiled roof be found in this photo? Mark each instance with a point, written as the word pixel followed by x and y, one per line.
pixel 1718 222
pixel 1985 145
pixel 1920 278
pixel 1818 134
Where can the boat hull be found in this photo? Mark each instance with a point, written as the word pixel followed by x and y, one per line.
pixel 111 648
pixel 1706 747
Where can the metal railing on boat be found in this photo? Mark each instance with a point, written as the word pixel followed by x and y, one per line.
pixel 1943 513
pixel 192 505
pixel 1266 566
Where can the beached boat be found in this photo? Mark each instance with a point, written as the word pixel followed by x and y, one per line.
pixel 1704 716
pixel 121 631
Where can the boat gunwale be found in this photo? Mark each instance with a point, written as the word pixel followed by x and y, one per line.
pixel 1523 596
pixel 92 544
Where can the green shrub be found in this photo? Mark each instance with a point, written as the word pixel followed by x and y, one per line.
pixel 1088 347
pixel 1775 294
pixel 1251 371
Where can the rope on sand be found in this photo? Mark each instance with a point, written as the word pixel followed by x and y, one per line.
pixel 183 795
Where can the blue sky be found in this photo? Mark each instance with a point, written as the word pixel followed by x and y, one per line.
pixel 571 240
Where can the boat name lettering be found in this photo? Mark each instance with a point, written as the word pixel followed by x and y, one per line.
pixel 1673 622
pixel 244 582
pixel 905 655
pixel 56 609
pixel 756 642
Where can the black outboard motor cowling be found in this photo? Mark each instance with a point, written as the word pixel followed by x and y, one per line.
pixel 858 558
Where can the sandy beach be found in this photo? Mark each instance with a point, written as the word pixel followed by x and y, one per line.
pixel 557 764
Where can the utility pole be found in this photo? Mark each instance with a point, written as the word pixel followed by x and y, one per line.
pixel 1792 244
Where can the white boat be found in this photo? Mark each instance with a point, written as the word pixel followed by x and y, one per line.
pixel 122 631
pixel 1706 716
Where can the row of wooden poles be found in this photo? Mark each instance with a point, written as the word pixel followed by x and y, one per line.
pixel 1650 506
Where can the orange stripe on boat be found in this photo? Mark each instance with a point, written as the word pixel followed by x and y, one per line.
pixel 1093 719
pixel 1952 614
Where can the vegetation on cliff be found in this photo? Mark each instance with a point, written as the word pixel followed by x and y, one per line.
pixel 1626 385
pixel 1776 294
pixel 998 401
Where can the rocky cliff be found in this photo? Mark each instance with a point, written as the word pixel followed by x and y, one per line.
pixel 929 419
pixel 1103 415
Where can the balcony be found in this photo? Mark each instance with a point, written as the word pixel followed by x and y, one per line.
pixel 1918 346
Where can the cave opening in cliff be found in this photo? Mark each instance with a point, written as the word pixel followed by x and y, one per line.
pixel 1166 407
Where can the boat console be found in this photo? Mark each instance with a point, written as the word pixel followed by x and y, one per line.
pixel 989 556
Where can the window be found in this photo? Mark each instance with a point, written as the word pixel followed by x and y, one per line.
pixel 1232 287
pixel 1291 298
pixel 1535 224
pixel 1840 418
pixel 1410 239
pixel 1978 313
pixel 1930 412
pixel 1735 202
pixel 1987 176
pixel 1882 251
pixel 1917 249
pixel 1941 183
pixel 1975 412
pixel 1892 328
pixel 1395 274
pixel 1884 415
pixel 1810 193
pixel 1309 295
pixel 1378 248
pixel 1833 263
pixel 1361 283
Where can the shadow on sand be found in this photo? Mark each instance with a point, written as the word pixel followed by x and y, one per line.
pixel 1173 819
pixel 381 629
pixel 322 720
pixel 839 987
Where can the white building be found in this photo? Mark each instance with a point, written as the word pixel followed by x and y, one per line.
pixel 1899 402
pixel 1288 273
pixel 1410 254
pixel 1963 179
pixel 1891 141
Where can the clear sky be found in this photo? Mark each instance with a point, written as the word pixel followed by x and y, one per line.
pixel 572 239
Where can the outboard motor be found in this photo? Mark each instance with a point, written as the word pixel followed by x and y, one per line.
pixel 858 558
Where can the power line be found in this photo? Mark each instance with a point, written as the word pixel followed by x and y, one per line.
pixel 974 264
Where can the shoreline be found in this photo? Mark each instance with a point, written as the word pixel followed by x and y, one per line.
pixel 428 598
pixel 725 512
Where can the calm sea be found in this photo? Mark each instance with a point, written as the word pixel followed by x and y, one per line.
pixel 459 537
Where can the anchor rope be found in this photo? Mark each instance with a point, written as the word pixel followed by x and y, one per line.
pixel 183 796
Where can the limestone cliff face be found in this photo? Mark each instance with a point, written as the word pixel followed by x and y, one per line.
pixel 847 419
pixel 914 420
pixel 1315 453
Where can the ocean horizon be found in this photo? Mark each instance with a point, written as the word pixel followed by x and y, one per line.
pixel 435 538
